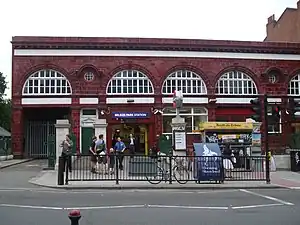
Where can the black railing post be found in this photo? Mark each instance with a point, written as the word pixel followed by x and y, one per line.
pixel 116 155
pixel 74 216
pixel 60 173
pixel 266 140
pixel 67 169
pixel 170 167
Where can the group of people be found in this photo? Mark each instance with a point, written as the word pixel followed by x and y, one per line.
pixel 102 159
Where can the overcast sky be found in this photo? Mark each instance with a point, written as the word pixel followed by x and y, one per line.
pixel 201 19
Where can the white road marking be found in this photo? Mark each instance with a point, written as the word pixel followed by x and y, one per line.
pixel 188 207
pixel 31 206
pixel 267 197
pixel 256 206
pixel 107 207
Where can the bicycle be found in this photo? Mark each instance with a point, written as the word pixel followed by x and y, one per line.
pixel 164 174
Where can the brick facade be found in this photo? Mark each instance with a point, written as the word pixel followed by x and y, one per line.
pixel 157 69
pixel 286 28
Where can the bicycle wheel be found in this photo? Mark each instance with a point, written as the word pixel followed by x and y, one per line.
pixel 157 178
pixel 182 175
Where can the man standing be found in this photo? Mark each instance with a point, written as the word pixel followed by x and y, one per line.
pixel 119 149
pixel 93 154
pixel 67 145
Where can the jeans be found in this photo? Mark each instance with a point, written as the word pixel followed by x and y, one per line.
pixel 67 162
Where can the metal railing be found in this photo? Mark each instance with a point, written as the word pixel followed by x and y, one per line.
pixel 169 169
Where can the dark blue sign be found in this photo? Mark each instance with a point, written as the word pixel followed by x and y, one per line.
pixel 208 164
pixel 130 115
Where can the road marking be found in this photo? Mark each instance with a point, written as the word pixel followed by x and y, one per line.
pixel 188 207
pixel 256 206
pixel 267 197
pixel 31 206
pixel 107 207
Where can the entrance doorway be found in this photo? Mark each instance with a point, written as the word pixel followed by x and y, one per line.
pixel 140 133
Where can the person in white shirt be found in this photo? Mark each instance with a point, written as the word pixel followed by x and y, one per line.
pixel 131 145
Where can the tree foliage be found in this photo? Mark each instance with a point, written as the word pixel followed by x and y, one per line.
pixel 3 87
pixel 5 105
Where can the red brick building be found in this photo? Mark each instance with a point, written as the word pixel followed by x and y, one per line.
pixel 286 28
pixel 84 79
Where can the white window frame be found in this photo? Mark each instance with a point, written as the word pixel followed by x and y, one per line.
pixel 235 77
pixel 124 76
pixel 280 124
pixel 188 114
pixel 184 76
pixel 41 79
pixel 293 82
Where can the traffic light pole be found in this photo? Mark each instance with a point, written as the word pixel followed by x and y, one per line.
pixel 266 141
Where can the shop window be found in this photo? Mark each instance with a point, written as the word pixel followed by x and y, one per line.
pixel 193 116
pixel 47 82
pixel 231 118
pixel 294 86
pixel 130 82
pixel 89 112
pixel 236 83
pixel 186 81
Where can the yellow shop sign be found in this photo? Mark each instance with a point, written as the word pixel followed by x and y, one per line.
pixel 226 126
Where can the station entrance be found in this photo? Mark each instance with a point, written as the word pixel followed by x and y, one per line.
pixel 140 133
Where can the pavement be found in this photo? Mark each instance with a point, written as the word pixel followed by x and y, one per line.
pixel 226 207
pixel 12 162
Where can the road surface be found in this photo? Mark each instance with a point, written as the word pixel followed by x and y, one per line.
pixel 23 203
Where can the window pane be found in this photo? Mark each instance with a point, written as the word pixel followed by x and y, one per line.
pixel 236 83
pixel 134 82
pixel 200 110
pixel 48 82
pixel 167 121
pixel 89 112
pixel 186 81
pixel 198 120
pixel 188 121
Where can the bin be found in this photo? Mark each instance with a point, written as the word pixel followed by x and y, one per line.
pixel 295 160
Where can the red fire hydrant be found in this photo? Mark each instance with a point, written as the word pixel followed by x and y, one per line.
pixel 74 216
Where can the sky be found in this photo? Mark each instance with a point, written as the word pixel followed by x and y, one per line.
pixel 200 19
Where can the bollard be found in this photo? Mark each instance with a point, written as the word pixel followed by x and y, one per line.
pixel 60 172
pixel 74 216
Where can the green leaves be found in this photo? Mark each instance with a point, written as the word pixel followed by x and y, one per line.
pixel 5 105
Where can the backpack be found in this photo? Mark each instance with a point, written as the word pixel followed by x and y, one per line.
pixel 100 146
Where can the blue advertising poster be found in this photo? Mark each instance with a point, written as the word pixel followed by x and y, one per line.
pixel 209 165
pixel 130 115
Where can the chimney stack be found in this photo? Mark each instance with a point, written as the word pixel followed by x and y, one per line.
pixel 271 19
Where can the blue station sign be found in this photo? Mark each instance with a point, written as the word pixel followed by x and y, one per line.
pixel 130 115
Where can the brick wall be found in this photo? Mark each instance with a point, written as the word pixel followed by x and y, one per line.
pixel 286 28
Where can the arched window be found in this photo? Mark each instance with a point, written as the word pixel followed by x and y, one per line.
pixel 186 81
pixel 47 82
pixel 294 86
pixel 236 83
pixel 193 117
pixel 129 82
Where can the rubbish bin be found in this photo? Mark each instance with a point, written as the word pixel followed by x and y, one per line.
pixel 295 160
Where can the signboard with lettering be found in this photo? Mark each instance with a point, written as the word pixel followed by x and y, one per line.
pixel 208 163
pixel 225 126
pixel 130 115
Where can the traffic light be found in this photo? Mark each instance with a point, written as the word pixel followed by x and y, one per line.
pixel 177 99
pixel 256 108
pixel 293 107
pixel 275 116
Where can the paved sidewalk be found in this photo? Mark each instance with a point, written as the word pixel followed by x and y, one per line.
pixel 49 179
pixel 12 162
